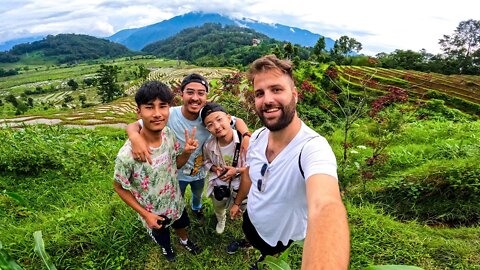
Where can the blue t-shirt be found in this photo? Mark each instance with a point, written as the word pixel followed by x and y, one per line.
pixel 194 169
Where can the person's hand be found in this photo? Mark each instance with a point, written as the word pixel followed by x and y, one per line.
pixel 140 149
pixel 190 143
pixel 235 211
pixel 244 146
pixel 152 219
pixel 228 174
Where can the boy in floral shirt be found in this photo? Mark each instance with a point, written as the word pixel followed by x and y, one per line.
pixel 152 190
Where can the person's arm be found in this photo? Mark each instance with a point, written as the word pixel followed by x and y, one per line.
pixel 242 193
pixel 327 244
pixel 242 127
pixel 140 149
pixel 130 200
pixel 190 146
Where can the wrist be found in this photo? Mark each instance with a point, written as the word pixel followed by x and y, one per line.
pixel 247 134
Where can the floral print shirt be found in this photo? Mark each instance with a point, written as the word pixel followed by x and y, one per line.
pixel 154 186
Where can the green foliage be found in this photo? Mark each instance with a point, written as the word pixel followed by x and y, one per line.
pixel 435 109
pixel 214 45
pixel 40 250
pixel 342 48
pixel 392 267
pixel 73 84
pixel 444 192
pixel 12 99
pixel 70 48
pixel 451 100
pixel 6 262
pixel 108 88
pixel 464 46
pixel 10 72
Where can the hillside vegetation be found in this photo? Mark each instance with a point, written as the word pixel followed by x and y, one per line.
pixel 456 91
pixel 214 45
pixel 66 48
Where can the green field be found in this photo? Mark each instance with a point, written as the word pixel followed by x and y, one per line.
pixel 416 204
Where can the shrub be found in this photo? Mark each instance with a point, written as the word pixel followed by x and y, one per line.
pixel 442 191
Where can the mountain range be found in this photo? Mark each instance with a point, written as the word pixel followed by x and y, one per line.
pixel 138 38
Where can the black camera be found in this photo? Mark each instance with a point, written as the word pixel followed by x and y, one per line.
pixel 220 192
pixel 164 222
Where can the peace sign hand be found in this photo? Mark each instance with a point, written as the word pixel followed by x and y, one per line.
pixel 190 143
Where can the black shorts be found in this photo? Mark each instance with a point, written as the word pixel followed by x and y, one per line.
pixel 182 222
pixel 257 241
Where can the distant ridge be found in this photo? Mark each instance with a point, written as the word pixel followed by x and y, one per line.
pixel 68 48
pixel 7 45
pixel 138 38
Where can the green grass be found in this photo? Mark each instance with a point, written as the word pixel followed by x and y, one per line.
pixel 86 226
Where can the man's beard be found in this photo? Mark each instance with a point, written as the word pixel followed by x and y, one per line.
pixel 286 117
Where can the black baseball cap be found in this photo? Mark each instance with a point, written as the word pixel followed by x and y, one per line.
pixel 194 77
pixel 209 108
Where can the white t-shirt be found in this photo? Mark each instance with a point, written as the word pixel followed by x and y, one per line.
pixel 279 213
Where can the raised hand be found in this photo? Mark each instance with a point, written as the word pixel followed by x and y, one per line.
pixel 191 143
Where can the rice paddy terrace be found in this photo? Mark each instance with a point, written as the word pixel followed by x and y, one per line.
pixel 116 114
pixel 459 91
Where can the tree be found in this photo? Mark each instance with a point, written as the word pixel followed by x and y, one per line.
pixel 464 46
pixel 73 84
pixel 107 83
pixel 142 72
pixel 12 99
pixel 345 45
pixel 277 51
pixel 30 102
pixel 288 47
pixel 319 47
pixel 82 98
pixel 90 81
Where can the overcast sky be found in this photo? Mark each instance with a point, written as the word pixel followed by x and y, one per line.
pixel 380 25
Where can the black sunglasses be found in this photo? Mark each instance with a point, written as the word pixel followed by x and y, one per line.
pixel 261 182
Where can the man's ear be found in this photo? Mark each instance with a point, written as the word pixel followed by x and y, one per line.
pixel 138 112
pixel 295 94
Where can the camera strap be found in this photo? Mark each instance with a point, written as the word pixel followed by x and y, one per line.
pixel 236 154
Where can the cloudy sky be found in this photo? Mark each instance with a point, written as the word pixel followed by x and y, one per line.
pixel 380 25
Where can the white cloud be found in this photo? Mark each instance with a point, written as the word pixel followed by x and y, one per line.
pixel 378 25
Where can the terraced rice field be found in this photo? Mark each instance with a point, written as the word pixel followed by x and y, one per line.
pixel 117 113
pixel 463 87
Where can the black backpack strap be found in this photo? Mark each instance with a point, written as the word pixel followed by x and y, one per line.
pixel 300 156
pixel 260 132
